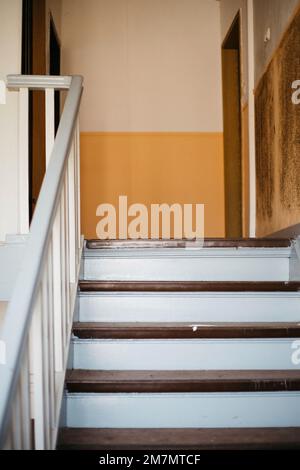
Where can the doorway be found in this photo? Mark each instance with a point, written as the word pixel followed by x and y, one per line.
pixel 231 75
pixel 34 62
pixel 54 65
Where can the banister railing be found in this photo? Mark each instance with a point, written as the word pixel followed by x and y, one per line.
pixel 38 322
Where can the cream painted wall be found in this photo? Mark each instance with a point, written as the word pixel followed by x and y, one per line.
pixel 148 65
pixel 10 63
pixel 273 14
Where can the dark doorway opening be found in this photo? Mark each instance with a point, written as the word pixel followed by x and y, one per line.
pixel 34 62
pixel 54 66
pixel 231 74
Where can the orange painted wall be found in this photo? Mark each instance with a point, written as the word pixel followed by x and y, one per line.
pixel 153 167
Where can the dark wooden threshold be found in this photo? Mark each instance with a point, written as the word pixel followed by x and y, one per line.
pixel 194 286
pixel 185 331
pixel 208 243
pixel 168 439
pixel 91 381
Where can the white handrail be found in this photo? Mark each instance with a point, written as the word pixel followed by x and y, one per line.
pixel 40 82
pixel 53 217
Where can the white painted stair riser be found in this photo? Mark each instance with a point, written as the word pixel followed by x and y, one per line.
pixel 189 307
pixel 181 410
pixel 207 354
pixel 255 264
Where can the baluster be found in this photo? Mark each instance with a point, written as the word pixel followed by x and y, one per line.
pixel 17 420
pixel 23 209
pixel 9 440
pixel 67 244
pixel 57 298
pixel 72 214
pixel 52 403
pixel 63 267
pixel 36 366
pixel 50 122
pixel 25 402
pixel 45 348
pixel 77 186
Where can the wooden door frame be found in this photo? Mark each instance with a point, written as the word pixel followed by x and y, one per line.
pixel 36 60
pixel 233 159
pixel 34 63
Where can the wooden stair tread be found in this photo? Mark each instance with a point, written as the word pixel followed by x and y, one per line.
pixel 200 439
pixel 185 330
pixel 98 381
pixel 190 286
pixel 208 243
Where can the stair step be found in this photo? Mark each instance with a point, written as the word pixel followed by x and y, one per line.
pixel 184 330
pixel 183 410
pixel 185 261
pixel 208 243
pixel 169 439
pixel 87 381
pixel 193 286
pixel 197 307
pixel 186 354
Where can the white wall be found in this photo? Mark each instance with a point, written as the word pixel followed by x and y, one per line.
pixel 148 65
pixel 10 63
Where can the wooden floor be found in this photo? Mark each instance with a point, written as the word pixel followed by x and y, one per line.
pixel 169 439
pixel 179 381
pixel 185 330
pixel 189 286
pixel 208 243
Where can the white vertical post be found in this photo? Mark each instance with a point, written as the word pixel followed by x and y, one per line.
pixel 52 403
pixel 25 402
pixel 67 252
pixel 77 188
pixel 72 215
pixel 63 268
pixel 17 421
pixel 36 367
pixel 23 196
pixel 57 288
pixel 9 441
pixel 50 122
pixel 45 351
pixel 251 107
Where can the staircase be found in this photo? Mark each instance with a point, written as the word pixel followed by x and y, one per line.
pixel 176 347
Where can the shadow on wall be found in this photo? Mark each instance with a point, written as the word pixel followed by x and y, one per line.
pixel 278 138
